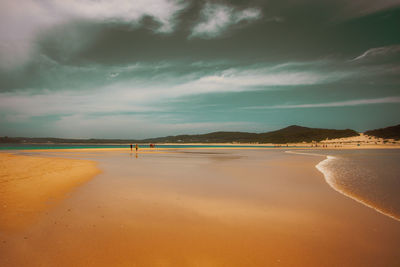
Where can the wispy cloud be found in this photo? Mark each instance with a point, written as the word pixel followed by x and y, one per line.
pixel 217 18
pixel 124 94
pixel 236 80
pixel 379 52
pixel 140 93
pixel 357 8
pixel 137 126
pixel 358 102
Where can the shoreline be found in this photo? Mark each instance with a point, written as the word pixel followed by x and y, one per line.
pixel 327 173
pixel 360 141
pixel 203 146
pixel 235 207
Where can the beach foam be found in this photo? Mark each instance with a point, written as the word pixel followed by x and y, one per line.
pixel 330 177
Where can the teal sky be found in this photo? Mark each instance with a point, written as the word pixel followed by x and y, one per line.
pixel 149 68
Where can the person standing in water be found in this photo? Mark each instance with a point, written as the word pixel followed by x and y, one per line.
pixel 136 146
pixel 131 147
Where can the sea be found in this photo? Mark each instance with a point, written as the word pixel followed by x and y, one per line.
pixel 83 146
pixel 369 176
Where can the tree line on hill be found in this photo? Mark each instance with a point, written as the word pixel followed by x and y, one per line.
pixel 392 132
pixel 291 134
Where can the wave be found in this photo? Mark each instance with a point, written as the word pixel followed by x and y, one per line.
pixel 329 175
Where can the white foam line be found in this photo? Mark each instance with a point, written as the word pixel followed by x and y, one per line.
pixel 303 153
pixel 328 175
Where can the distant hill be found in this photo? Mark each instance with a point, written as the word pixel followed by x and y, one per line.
pixel 296 133
pixel 392 132
pixel 291 134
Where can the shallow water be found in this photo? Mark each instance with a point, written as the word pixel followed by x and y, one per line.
pixel 84 146
pixel 371 177
pixel 208 207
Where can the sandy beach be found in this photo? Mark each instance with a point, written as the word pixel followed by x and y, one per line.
pixel 30 185
pixel 186 207
pixel 213 133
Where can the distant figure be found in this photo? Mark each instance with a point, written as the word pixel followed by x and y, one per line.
pixel 137 147
pixel 131 147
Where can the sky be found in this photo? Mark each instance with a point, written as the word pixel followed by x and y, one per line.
pixel 151 68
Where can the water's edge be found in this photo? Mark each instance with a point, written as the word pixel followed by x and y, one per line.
pixel 328 176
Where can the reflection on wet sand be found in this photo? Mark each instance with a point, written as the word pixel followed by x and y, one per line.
pixel 215 208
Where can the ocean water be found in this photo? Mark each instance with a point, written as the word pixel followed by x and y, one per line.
pixel 82 146
pixel 371 177
pixel 233 207
pixel 55 146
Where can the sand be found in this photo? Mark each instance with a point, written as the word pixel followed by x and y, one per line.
pixel 29 185
pixel 361 141
pixel 203 208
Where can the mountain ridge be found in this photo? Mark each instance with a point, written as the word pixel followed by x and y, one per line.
pixel 290 134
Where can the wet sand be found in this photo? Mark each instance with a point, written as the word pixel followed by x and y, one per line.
pixel 209 207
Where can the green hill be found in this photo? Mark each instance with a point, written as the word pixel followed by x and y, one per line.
pixel 392 132
pixel 296 133
pixel 291 134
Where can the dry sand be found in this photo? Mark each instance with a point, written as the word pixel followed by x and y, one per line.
pixel 28 185
pixel 362 141
pixel 204 208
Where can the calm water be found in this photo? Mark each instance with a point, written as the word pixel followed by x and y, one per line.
pixel 371 177
pixel 208 207
pixel 80 146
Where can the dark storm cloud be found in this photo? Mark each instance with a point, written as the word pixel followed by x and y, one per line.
pixel 195 64
pixel 274 29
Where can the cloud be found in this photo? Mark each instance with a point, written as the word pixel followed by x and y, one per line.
pixel 114 74
pixel 138 96
pixel 117 97
pixel 239 80
pixel 21 22
pixel 137 126
pixel 379 52
pixel 204 81
pixel 356 8
pixel 163 11
pixel 358 102
pixel 66 103
pixel 217 18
